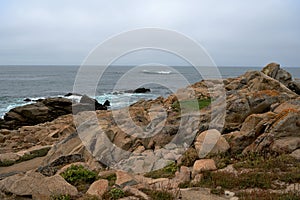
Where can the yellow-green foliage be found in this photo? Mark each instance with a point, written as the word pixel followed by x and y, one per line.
pixel 78 176
pixel 159 194
pixel 114 193
pixel 25 157
pixel 166 172
pixel 190 105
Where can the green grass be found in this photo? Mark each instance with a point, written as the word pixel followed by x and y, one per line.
pixel 158 194
pixel 61 197
pixel 114 193
pixel 243 181
pixel 222 159
pixel 266 195
pixel 111 178
pixel 283 163
pixel 80 177
pixel 262 171
pixel 190 105
pixel 6 163
pixel 166 172
pixel 189 157
pixel 26 157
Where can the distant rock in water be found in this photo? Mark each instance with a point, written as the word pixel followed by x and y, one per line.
pixel 142 90
pixel 72 94
pixel 27 100
pixel 46 110
pixel 88 100
pixel 88 104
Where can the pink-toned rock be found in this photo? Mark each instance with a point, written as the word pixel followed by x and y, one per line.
pixel 252 127
pixel 36 185
pixel 291 104
pixel 211 142
pixel 281 136
pixel 296 154
pixel 106 173
pixel 287 144
pixel 136 192
pixel 183 175
pixel 124 179
pixel 9 157
pixel 197 178
pixel 98 188
pixel 203 165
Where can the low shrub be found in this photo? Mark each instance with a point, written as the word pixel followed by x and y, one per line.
pixel 166 172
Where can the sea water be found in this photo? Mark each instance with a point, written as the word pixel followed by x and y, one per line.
pixel 35 82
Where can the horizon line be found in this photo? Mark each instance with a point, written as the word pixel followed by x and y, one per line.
pixel 127 65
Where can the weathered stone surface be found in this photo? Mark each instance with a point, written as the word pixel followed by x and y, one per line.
pixel 274 71
pixel 124 179
pixel 286 144
pixel 203 165
pixel 253 127
pixel 197 178
pixel 211 142
pixel 136 192
pixel 295 86
pixel 199 193
pixel 68 151
pixel 35 184
pixel 229 169
pixel 130 198
pixel 282 129
pixel 271 69
pixel 45 134
pixel 98 188
pixel 291 104
pixel 9 157
pixel 183 175
pixel 296 154
pixel 242 104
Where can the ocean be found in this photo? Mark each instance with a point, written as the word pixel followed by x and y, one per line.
pixel 35 82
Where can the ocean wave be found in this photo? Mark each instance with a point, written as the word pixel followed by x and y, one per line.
pixel 157 72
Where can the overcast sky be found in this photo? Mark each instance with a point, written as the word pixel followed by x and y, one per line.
pixel 234 32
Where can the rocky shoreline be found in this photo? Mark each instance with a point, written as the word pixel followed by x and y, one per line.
pixel 48 153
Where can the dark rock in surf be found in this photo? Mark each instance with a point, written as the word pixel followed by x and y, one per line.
pixel 93 102
pixel 46 110
pixel 142 90
pixel 42 111
pixel 27 100
pixel 72 94
pixel 106 103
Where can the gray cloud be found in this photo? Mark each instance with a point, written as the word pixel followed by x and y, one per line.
pixel 234 32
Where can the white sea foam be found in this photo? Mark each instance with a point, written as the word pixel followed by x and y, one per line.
pixel 157 72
